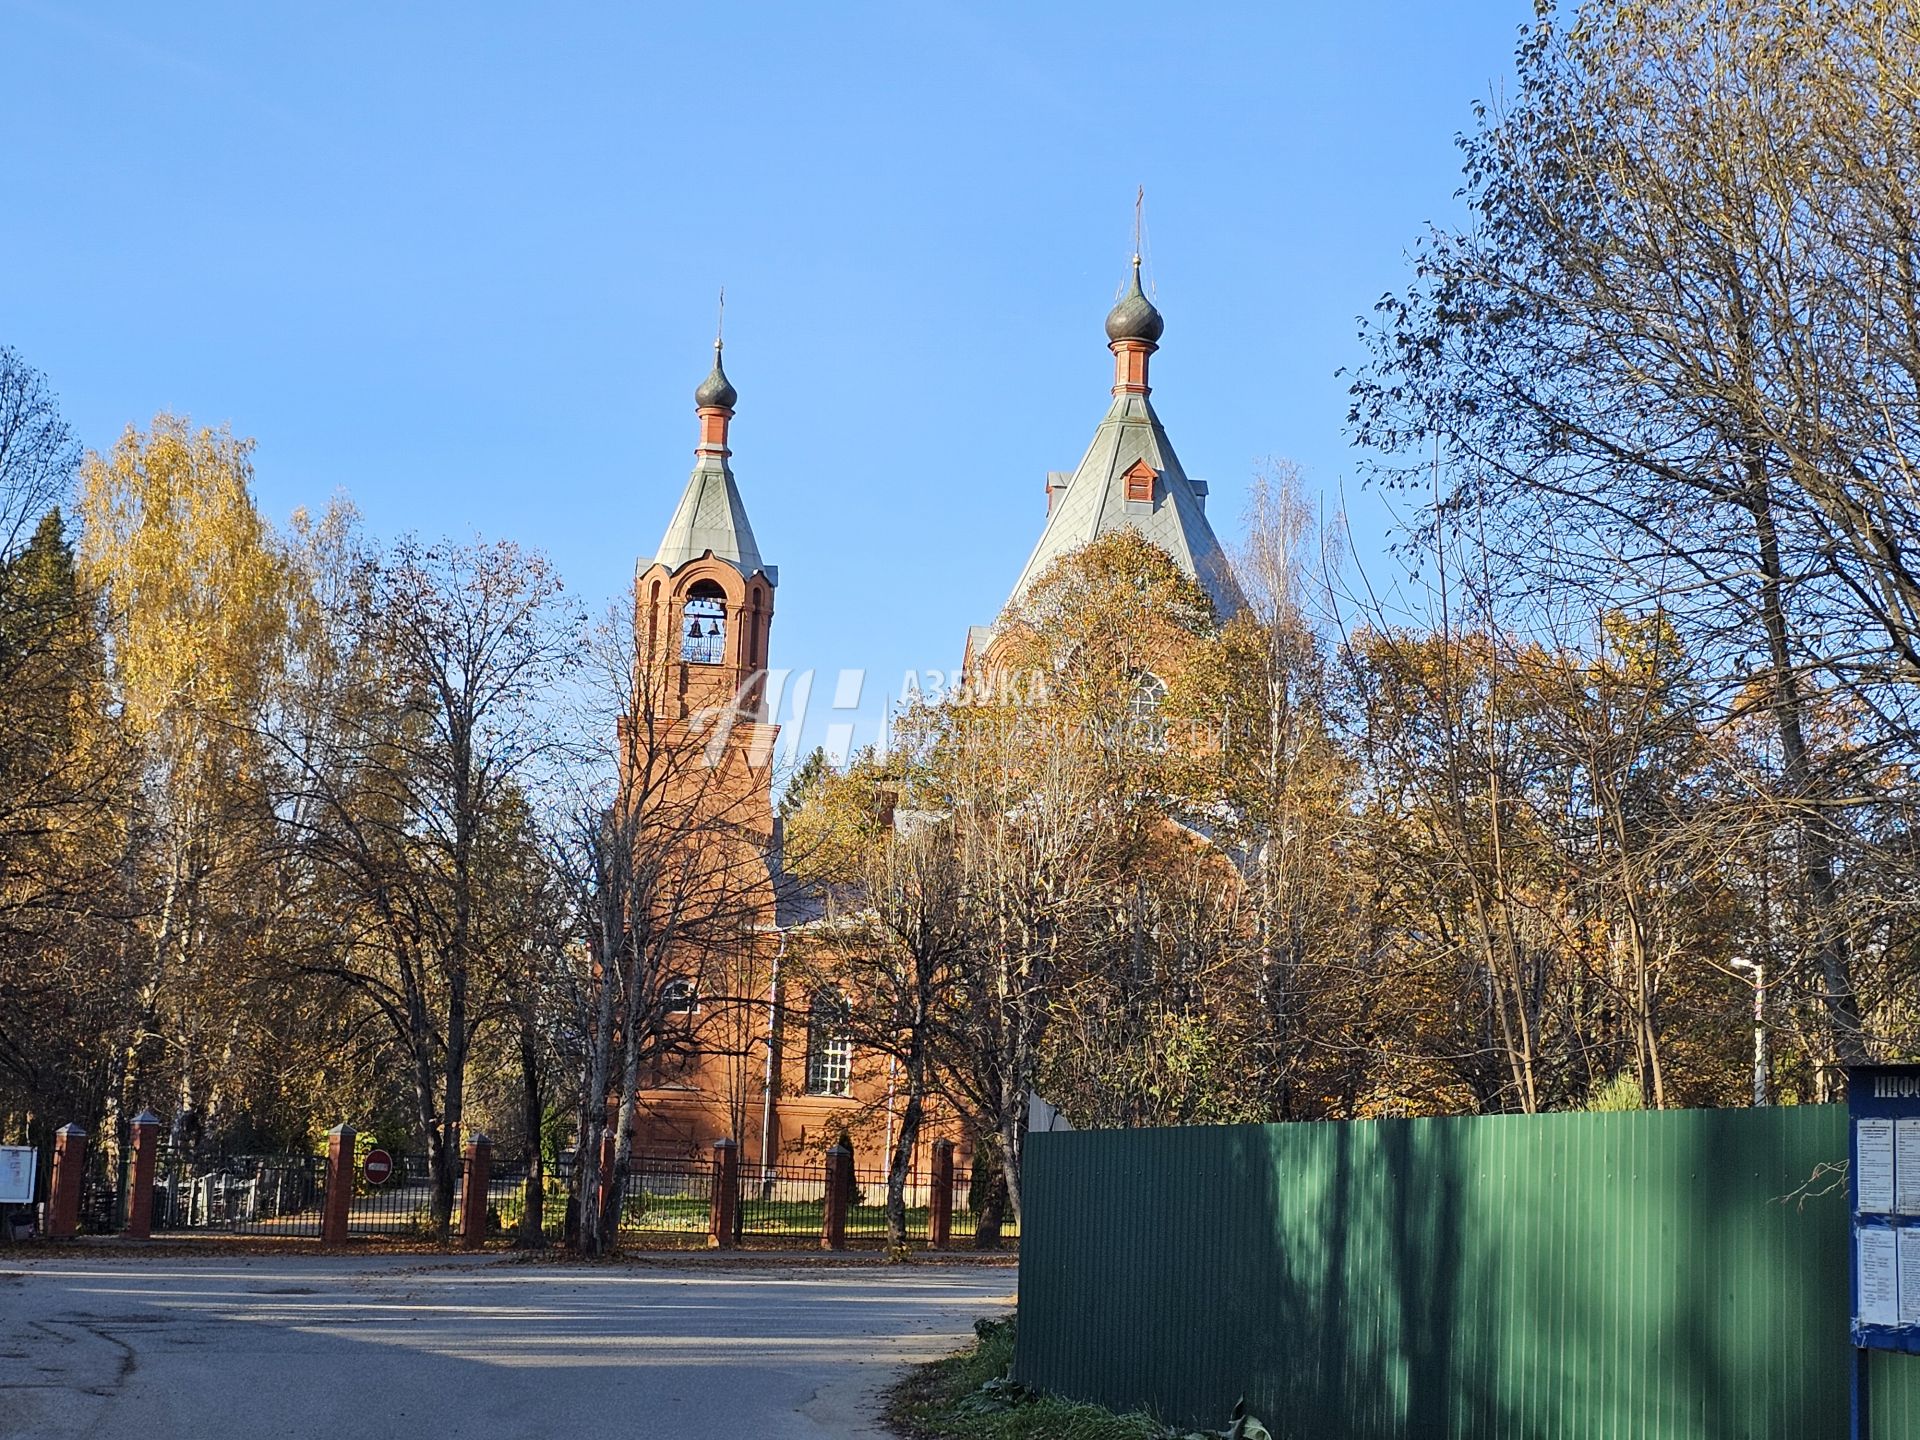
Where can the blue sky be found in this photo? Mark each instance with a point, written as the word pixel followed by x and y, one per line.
pixel 461 260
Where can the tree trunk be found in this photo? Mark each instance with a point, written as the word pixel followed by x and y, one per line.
pixel 1809 815
pixel 532 1113
pixel 901 1160
pixel 446 1175
pixel 990 1218
pixel 593 1103
pixel 1010 1144
pixel 634 1042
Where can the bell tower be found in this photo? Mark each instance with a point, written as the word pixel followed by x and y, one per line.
pixel 696 754
pixel 706 602
pixel 704 605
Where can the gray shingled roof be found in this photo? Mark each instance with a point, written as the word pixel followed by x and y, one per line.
pixel 1095 503
pixel 711 516
pixel 794 901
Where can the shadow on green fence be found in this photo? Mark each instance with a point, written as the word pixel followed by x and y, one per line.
pixel 1638 1274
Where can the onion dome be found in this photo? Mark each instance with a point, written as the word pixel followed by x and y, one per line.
pixel 1134 318
pixel 717 391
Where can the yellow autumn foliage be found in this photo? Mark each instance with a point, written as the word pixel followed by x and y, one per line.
pixel 194 582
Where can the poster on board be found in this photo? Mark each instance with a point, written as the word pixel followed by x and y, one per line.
pixel 1908 1244
pixel 16 1174
pixel 1873 1165
pixel 1877 1246
pixel 1906 1166
pixel 1883 1184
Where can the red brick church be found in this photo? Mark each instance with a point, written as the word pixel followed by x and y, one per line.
pixel 767 1067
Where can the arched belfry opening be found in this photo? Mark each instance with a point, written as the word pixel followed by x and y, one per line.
pixel 703 624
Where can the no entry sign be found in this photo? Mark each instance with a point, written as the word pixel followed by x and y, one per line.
pixel 377 1167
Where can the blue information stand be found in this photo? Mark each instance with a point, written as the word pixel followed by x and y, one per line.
pixel 1883 1203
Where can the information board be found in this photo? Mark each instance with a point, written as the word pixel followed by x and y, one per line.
pixel 16 1174
pixel 1883 1186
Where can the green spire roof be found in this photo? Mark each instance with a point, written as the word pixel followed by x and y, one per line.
pixel 1095 502
pixel 711 516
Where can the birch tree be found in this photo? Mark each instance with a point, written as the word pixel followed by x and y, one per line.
pixel 193 587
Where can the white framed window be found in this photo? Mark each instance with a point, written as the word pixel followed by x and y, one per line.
pixel 1146 726
pixel 679 997
pixel 829 1048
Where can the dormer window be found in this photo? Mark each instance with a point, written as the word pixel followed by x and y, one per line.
pixel 1140 482
pixel 703 625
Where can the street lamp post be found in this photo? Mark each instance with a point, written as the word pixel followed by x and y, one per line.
pixel 1758 969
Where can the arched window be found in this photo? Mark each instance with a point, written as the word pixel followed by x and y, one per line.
pixel 703 625
pixel 829 1049
pixel 678 997
pixel 1146 726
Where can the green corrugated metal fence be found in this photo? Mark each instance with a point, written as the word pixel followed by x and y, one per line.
pixel 1493 1277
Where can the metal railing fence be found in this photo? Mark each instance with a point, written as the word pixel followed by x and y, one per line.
pixel 783 1204
pixel 239 1194
pixel 401 1206
pixel 284 1195
pixel 507 1200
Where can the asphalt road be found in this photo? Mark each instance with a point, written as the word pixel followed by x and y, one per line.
pixel 338 1348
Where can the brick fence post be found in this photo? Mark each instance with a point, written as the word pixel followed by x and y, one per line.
pixel 69 1177
pixel 475 1191
pixel 833 1225
pixel 339 1206
pixel 146 1146
pixel 723 1217
pixel 940 1197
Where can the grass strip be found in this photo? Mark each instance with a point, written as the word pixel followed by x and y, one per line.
pixel 968 1397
